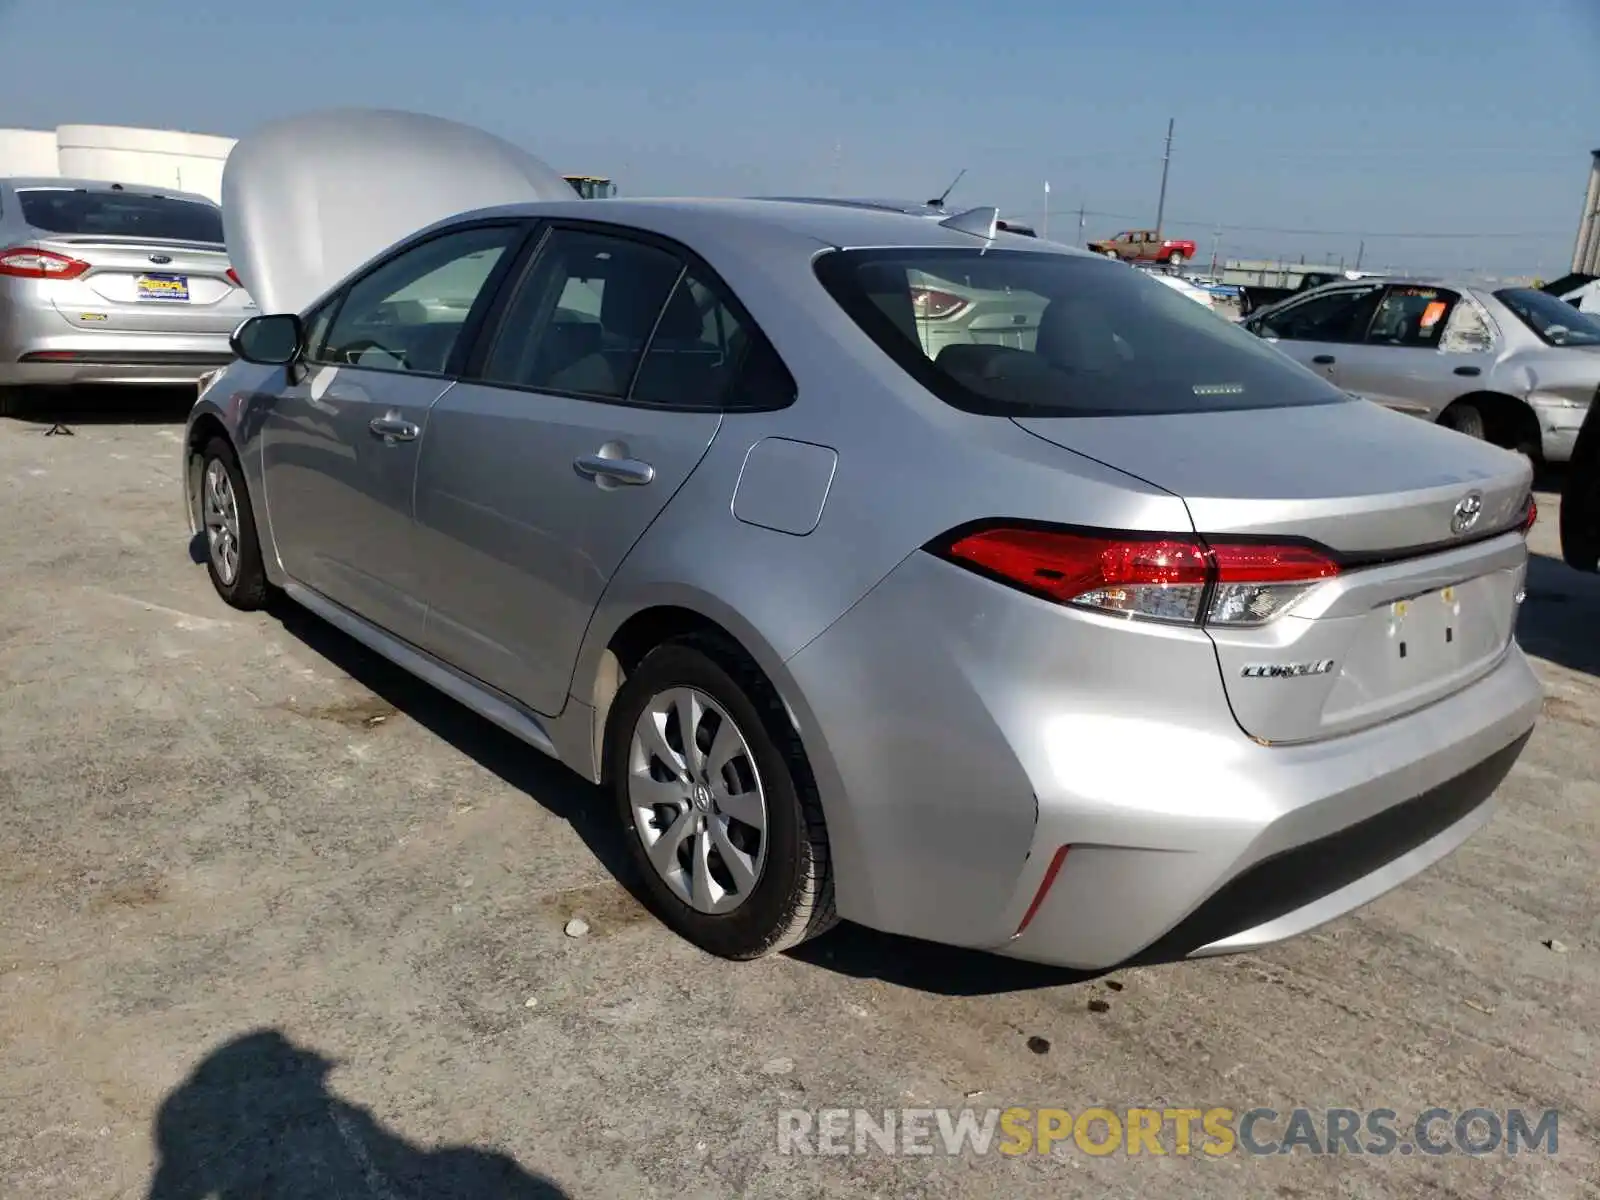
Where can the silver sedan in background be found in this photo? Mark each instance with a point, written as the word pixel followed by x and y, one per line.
pixel 101 283
pixel 1513 366
pixel 1134 641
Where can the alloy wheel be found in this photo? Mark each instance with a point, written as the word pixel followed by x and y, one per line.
pixel 221 517
pixel 697 800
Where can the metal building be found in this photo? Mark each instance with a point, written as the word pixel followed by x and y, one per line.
pixel 1586 256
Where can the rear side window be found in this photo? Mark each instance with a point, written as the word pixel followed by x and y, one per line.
pixel 1017 333
pixel 703 355
pixel 120 214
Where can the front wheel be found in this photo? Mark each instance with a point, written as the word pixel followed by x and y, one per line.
pixel 233 552
pixel 1112 254
pixel 1176 259
pixel 717 802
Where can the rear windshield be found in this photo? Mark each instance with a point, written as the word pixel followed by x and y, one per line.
pixel 1555 321
pixel 1023 334
pixel 120 214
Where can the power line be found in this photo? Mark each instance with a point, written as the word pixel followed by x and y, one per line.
pixel 1430 235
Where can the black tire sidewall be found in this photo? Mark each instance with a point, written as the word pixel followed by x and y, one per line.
pixel 755 925
pixel 249 580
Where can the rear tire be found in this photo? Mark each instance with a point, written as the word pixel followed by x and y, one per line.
pixel 682 804
pixel 233 551
pixel 1465 418
pixel 1176 260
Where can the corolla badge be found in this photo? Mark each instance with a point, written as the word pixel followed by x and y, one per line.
pixel 1468 509
pixel 1287 670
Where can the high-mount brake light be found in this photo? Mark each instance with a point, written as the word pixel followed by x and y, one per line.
pixel 1152 577
pixel 22 262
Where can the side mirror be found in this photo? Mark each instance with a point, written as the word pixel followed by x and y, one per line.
pixel 271 340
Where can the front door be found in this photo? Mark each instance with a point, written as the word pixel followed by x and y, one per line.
pixel 341 443
pixel 597 398
pixel 1316 330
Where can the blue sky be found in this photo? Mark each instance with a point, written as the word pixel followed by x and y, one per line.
pixel 1346 117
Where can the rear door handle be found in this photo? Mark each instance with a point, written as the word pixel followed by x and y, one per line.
pixel 394 428
pixel 607 471
pixel 1469 371
pixel 1324 360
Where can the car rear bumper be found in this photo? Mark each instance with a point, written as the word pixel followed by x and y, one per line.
pixel 1558 429
pixel 988 731
pixel 151 359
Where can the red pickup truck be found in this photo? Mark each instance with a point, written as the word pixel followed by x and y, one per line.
pixel 1145 245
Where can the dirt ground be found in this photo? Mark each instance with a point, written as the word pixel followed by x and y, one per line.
pixel 277 921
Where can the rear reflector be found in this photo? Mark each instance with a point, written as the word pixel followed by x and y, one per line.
pixel 1050 874
pixel 1150 576
pixel 20 262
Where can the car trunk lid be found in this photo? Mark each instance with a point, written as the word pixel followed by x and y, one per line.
pixel 1423 521
pixel 146 285
pixel 308 199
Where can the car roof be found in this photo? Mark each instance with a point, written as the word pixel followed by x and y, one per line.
pixel 842 226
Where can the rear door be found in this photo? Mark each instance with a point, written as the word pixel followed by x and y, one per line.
pixel 595 399
pixel 1316 329
pixel 154 263
pixel 1424 347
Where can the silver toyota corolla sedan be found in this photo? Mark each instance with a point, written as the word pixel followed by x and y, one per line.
pixel 1134 642
pixel 1514 366
pixel 101 283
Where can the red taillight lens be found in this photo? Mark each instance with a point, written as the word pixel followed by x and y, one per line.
pixel 930 304
pixel 1531 517
pixel 20 262
pixel 1160 578
pixel 233 278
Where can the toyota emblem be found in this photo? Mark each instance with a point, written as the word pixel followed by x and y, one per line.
pixel 1468 509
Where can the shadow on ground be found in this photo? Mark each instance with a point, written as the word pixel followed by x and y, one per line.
pixel 1560 620
pixel 849 950
pixel 46 407
pixel 256 1121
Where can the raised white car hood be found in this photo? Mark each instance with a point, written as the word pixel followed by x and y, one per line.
pixel 308 199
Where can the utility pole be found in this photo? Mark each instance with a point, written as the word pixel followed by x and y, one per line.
pixel 1166 161
pixel 1044 226
pixel 1080 224
pixel 1216 241
pixel 1361 253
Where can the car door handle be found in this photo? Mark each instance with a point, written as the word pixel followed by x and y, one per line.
pixel 605 470
pixel 1324 360
pixel 1469 371
pixel 394 428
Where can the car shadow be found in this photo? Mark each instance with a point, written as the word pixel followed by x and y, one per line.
pixel 559 790
pixel 849 950
pixel 255 1120
pixel 1560 619
pixel 105 405
pixel 928 966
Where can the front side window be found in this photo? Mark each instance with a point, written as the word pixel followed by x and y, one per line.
pixel 1554 323
pixel 1017 333
pixel 579 321
pixel 120 214
pixel 408 314
pixel 1336 316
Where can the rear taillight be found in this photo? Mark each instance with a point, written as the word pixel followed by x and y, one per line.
pixel 233 277
pixel 930 304
pixel 1530 518
pixel 20 262
pixel 1149 576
